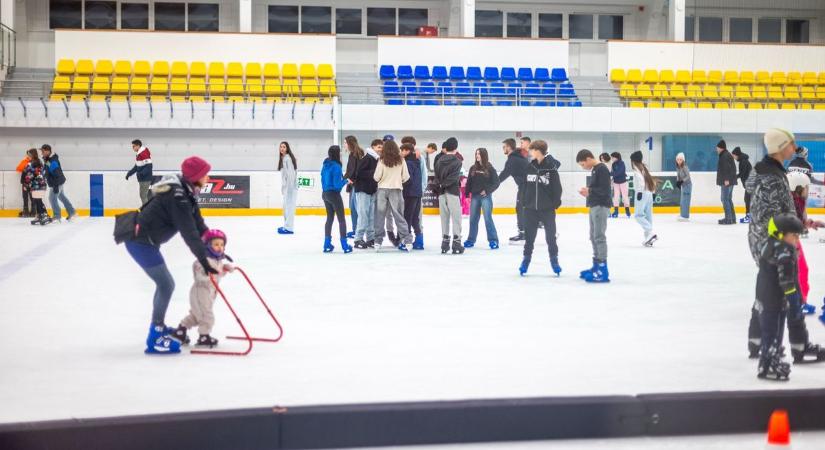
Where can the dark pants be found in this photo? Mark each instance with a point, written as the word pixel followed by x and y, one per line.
pixel 768 321
pixel 747 202
pixel 335 207
pixel 532 218
pixel 519 211
pixel 727 202
pixel 151 261
pixel 27 199
pixel 353 211
pixel 38 206
pixel 412 214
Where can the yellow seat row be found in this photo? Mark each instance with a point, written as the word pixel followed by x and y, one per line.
pixel 197 69
pixel 724 105
pixel 653 76
pixel 191 98
pixel 712 92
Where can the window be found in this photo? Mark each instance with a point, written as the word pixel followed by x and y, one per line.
pixel 203 16
pixel 519 25
pixel 380 21
pixel 65 14
pixel 611 27
pixel 710 29
pixel 347 21
pixel 797 31
pixel 581 26
pixel 170 16
pixel 489 23
pixel 134 16
pixel 741 30
pixel 410 19
pixel 101 15
pixel 316 19
pixel 550 26
pixel 770 30
pixel 690 28
pixel 283 19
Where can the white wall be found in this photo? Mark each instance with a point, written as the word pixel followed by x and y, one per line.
pixel 472 52
pixel 171 46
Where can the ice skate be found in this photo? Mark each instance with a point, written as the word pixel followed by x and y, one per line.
pixel 650 239
pixel 746 219
pixel 418 243
pixel 615 213
pixel 206 340
pixel 771 366
pixel 599 274
pixel 283 230
pixel 159 343
pixel 328 247
pixel 445 244
pixel 808 309
pixel 753 350
pixel 525 264
pixel 584 273
pixel 469 244
pixel 458 249
pixel 360 244
pixel 517 239
pixel 179 334
pixel 554 263
pixel 493 245
pixel 345 245
pixel 392 238
pixel 351 235
pixel 811 354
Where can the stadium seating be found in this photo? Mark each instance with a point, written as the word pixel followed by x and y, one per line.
pixel 195 81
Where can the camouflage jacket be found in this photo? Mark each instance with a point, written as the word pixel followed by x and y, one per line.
pixel 771 195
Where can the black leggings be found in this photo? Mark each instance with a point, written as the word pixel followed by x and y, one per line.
pixel 412 208
pixel 37 206
pixel 27 198
pixel 335 207
pixel 747 202
pixel 532 218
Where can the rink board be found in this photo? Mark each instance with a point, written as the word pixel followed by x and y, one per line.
pixel 419 423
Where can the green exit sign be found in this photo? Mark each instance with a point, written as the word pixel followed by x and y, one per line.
pixel 306 182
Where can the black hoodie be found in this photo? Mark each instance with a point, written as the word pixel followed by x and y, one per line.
pixel 542 187
pixel 364 172
pixel 726 170
pixel 745 168
pixel 516 167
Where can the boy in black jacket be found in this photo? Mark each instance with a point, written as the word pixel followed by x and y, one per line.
pixel 55 179
pixel 745 169
pixel 516 166
pixel 412 192
pixel 448 178
pixel 726 180
pixel 599 202
pixel 540 196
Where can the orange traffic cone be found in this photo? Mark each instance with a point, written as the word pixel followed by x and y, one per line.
pixel 779 429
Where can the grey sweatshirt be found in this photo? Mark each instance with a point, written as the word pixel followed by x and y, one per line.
pixel 683 174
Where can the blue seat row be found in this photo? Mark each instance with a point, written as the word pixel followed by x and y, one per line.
pixel 472 73
pixel 466 102
pixel 478 89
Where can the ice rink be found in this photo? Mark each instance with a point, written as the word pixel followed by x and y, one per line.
pixel 369 327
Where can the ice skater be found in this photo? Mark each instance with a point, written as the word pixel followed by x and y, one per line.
pixel 390 174
pixel 289 186
pixel 28 203
pixel 685 186
pixel 412 195
pixel 618 173
pixel 203 293
pixel 35 185
pixel 799 183
pixel 541 197
pixel 56 181
pixel 332 180
pixel 644 185
pixel 726 180
pixel 597 193
pixel 365 187
pixel 481 183
pixel 745 169
pixel 142 168
pixel 355 154
pixel 516 167
pixel 448 178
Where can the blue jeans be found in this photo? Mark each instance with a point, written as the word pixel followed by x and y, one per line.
pixel 353 210
pixel 684 201
pixel 477 205
pixel 151 261
pixel 727 202
pixel 365 204
pixel 61 195
pixel 644 211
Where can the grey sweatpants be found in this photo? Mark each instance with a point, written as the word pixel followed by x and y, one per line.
pixel 449 207
pixel 390 202
pixel 143 187
pixel 598 228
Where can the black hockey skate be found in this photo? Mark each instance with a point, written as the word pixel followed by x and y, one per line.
pixel 393 238
pixel 458 249
pixel 445 244
pixel 179 334
pixel 771 366
pixel 371 243
pixel 811 354
pixel 42 219
pixel 753 351
pixel 206 340
pixel 359 244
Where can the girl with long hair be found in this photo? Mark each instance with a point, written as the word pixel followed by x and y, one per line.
pixel 390 174
pixel 685 185
pixel 481 182
pixel 332 180
pixel 289 186
pixel 618 173
pixel 645 186
pixel 355 154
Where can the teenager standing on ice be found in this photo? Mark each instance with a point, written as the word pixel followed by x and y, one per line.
pixel 289 186
pixel 481 183
pixel 541 197
pixel 516 167
pixel 597 193
pixel 618 173
pixel 173 209
pixel 448 179
pixel 726 180
pixel 142 168
pixel 365 187
pixel 390 174
pixel 412 195
pixel 685 185
pixel 332 180
pixel 56 181
pixel 644 185
pixel 745 169
pixel 355 154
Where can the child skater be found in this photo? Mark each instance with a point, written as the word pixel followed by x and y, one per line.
pixel 203 293
pixel 412 193
pixel 597 193
pixel 618 173
pixel 390 174
pixel 481 183
pixel 35 183
pixel 332 180
pixel 644 185
pixel 541 196
pixel 799 182
pixel 289 186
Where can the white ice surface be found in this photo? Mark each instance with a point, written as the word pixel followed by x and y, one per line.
pixel 369 327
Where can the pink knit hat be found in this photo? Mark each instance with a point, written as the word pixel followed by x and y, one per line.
pixel 194 168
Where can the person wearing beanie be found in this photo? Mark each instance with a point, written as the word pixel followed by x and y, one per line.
pixel 644 186
pixel 56 181
pixel 516 167
pixel 34 184
pixel 332 180
pixel 745 169
pixel 800 163
pixel 143 169
pixel 171 209
pixel 618 173
pixel 685 185
pixel 448 179
pixel 726 180
pixel 288 167
pixel 597 193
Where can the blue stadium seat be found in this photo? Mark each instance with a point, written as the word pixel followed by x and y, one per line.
pixel 409 88
pixel 548 90
pixel 514 89
pixel 467 103
pixel 491 74
pixel 487 103
pixel 445 88
pixel 426 88
pixel 391 88
pixel 480 88
pixel 462 89
pixel 404 73
pixel 525 74
pixel 558 75
pixel 395 101
pixel 431 102
pixel 422 73
pixel 387 72
pixel 457 73
pixel 439 73
pixel 576 104
pixel 413 101
pixel 525 103
pixel 474 73
pixel 542 75
pixel 508 74
pixel 566 90
pixel 532 90
pixel 505 103
pixel 497 89
pixel 450 102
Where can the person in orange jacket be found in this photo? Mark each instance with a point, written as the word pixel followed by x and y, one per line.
pixel 28 211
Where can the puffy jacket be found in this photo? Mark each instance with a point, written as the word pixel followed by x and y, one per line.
pixel 332 179
pixel 412 187
pixel 364 172
pixel 32 178
pixel 448 174
pixel 726 170
pixel 143 165
pixel 745 168
pixel 352 165
pixel 800 164
pixel 778 275
pixel 54 172
pixel 619 172
pixel 770 196
pixel 482 180
pixel 516 167
pixel 542 187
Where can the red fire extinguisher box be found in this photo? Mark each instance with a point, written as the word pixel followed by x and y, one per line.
pixel 427 31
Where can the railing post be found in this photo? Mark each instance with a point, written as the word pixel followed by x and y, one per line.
pixel 25 112
pixel 45 108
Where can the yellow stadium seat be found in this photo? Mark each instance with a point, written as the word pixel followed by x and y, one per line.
pixel 84 67
pixel 775 92
pixel 772 106
pixel 794 78
pixel 198 87
pixel 217 87
pixel 254 88
pixel 709 92
pixel 821 78
pixel 699 76
pixel 142 69
pixel 272 71
pixel 779 78
pixel 746 77
pixel 677 91
pixel 197 70
pixel 272 88
pixel 667 77
pixel 660 91
pixel 809 78
pixel 688 105
pixel 739 105
pixel 234 87
pixel 291 87
pixel 788 106
pixel 61 85
pixel 763 77
pixel 216 71
pixel 627 90
pixel 654 104
pixel 57 97
pixel 670 104
pixel 807 93
pixel 721 105
pixel 159 87
pixel 138 98
pixel 650 76
pixel 726 91
pixel 104 68
pixel 715 76
pixel 705 105
pixel 101 86
pixel 325 71
pixel 65 67
pixel 234 70
pixel 819 106
pixel 289 71
pixel 178 87
pixel 694 91
pixel 634 76
pixel 160 69
pixel 120 87
pixel 754 105
pixel 139 86
pixel 637 104
pixel 78 98
pixel 253 70
pixel 683 76
pixel 742 92
pixel 123 68
pixel 759 93
pixel 328 88
pixel 805 106
pixel 309 88
pixel 820 92
pixel 643 91
pixel 731 77
pixel 80 84
pixel 308 71
pixel 792 93
pixel 180 69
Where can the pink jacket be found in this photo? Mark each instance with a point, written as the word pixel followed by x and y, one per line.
pixel 803 274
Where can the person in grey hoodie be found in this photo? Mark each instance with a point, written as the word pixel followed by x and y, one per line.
pixel 685 185
pixel 289 186
pixel 447 178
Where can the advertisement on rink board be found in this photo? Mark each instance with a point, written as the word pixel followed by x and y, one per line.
pixel 225 191
pixel 667 194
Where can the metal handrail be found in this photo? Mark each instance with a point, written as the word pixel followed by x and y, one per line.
pixel 8 47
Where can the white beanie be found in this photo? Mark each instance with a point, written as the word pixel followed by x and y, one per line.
pixel 798 179
pixel 776 139
pixel 681 156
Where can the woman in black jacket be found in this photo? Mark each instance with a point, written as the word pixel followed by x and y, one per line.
pixel 355 153
pixel 540 197
pixel 172 209
pixel 481 183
